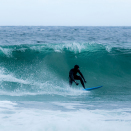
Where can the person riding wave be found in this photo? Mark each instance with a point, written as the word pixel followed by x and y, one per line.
pixel 73 76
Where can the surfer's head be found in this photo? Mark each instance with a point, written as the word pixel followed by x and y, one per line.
pixel 76 67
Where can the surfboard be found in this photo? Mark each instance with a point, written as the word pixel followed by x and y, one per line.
pixel 92 88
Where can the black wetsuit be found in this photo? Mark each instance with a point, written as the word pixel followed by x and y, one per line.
pixel 73 76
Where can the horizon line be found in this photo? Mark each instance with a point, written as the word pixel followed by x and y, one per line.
pixel 74 25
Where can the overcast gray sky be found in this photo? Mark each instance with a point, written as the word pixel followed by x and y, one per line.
pixel 66 12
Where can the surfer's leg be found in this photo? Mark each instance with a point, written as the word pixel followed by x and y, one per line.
pixel 70 81
pixel 79 78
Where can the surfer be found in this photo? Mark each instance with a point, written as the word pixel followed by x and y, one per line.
pixel 73 76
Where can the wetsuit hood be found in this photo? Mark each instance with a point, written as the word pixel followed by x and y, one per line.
pixel 76 67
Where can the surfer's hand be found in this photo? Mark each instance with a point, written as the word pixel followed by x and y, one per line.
pixel 77 83
pixel 85 81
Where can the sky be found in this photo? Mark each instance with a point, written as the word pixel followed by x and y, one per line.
pixel 65 12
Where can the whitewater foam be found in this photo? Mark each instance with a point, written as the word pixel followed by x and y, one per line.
pixel 20 116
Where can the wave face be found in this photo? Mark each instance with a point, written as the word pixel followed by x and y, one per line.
pixel 44 68
pixel 37 60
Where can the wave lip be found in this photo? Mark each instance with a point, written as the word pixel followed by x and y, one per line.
pixel 9 51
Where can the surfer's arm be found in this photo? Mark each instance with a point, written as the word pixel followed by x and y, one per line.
pixel 82 75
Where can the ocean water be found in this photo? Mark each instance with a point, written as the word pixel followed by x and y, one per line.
pixel 34 66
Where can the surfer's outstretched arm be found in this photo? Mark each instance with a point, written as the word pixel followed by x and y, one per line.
pixel 82 76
